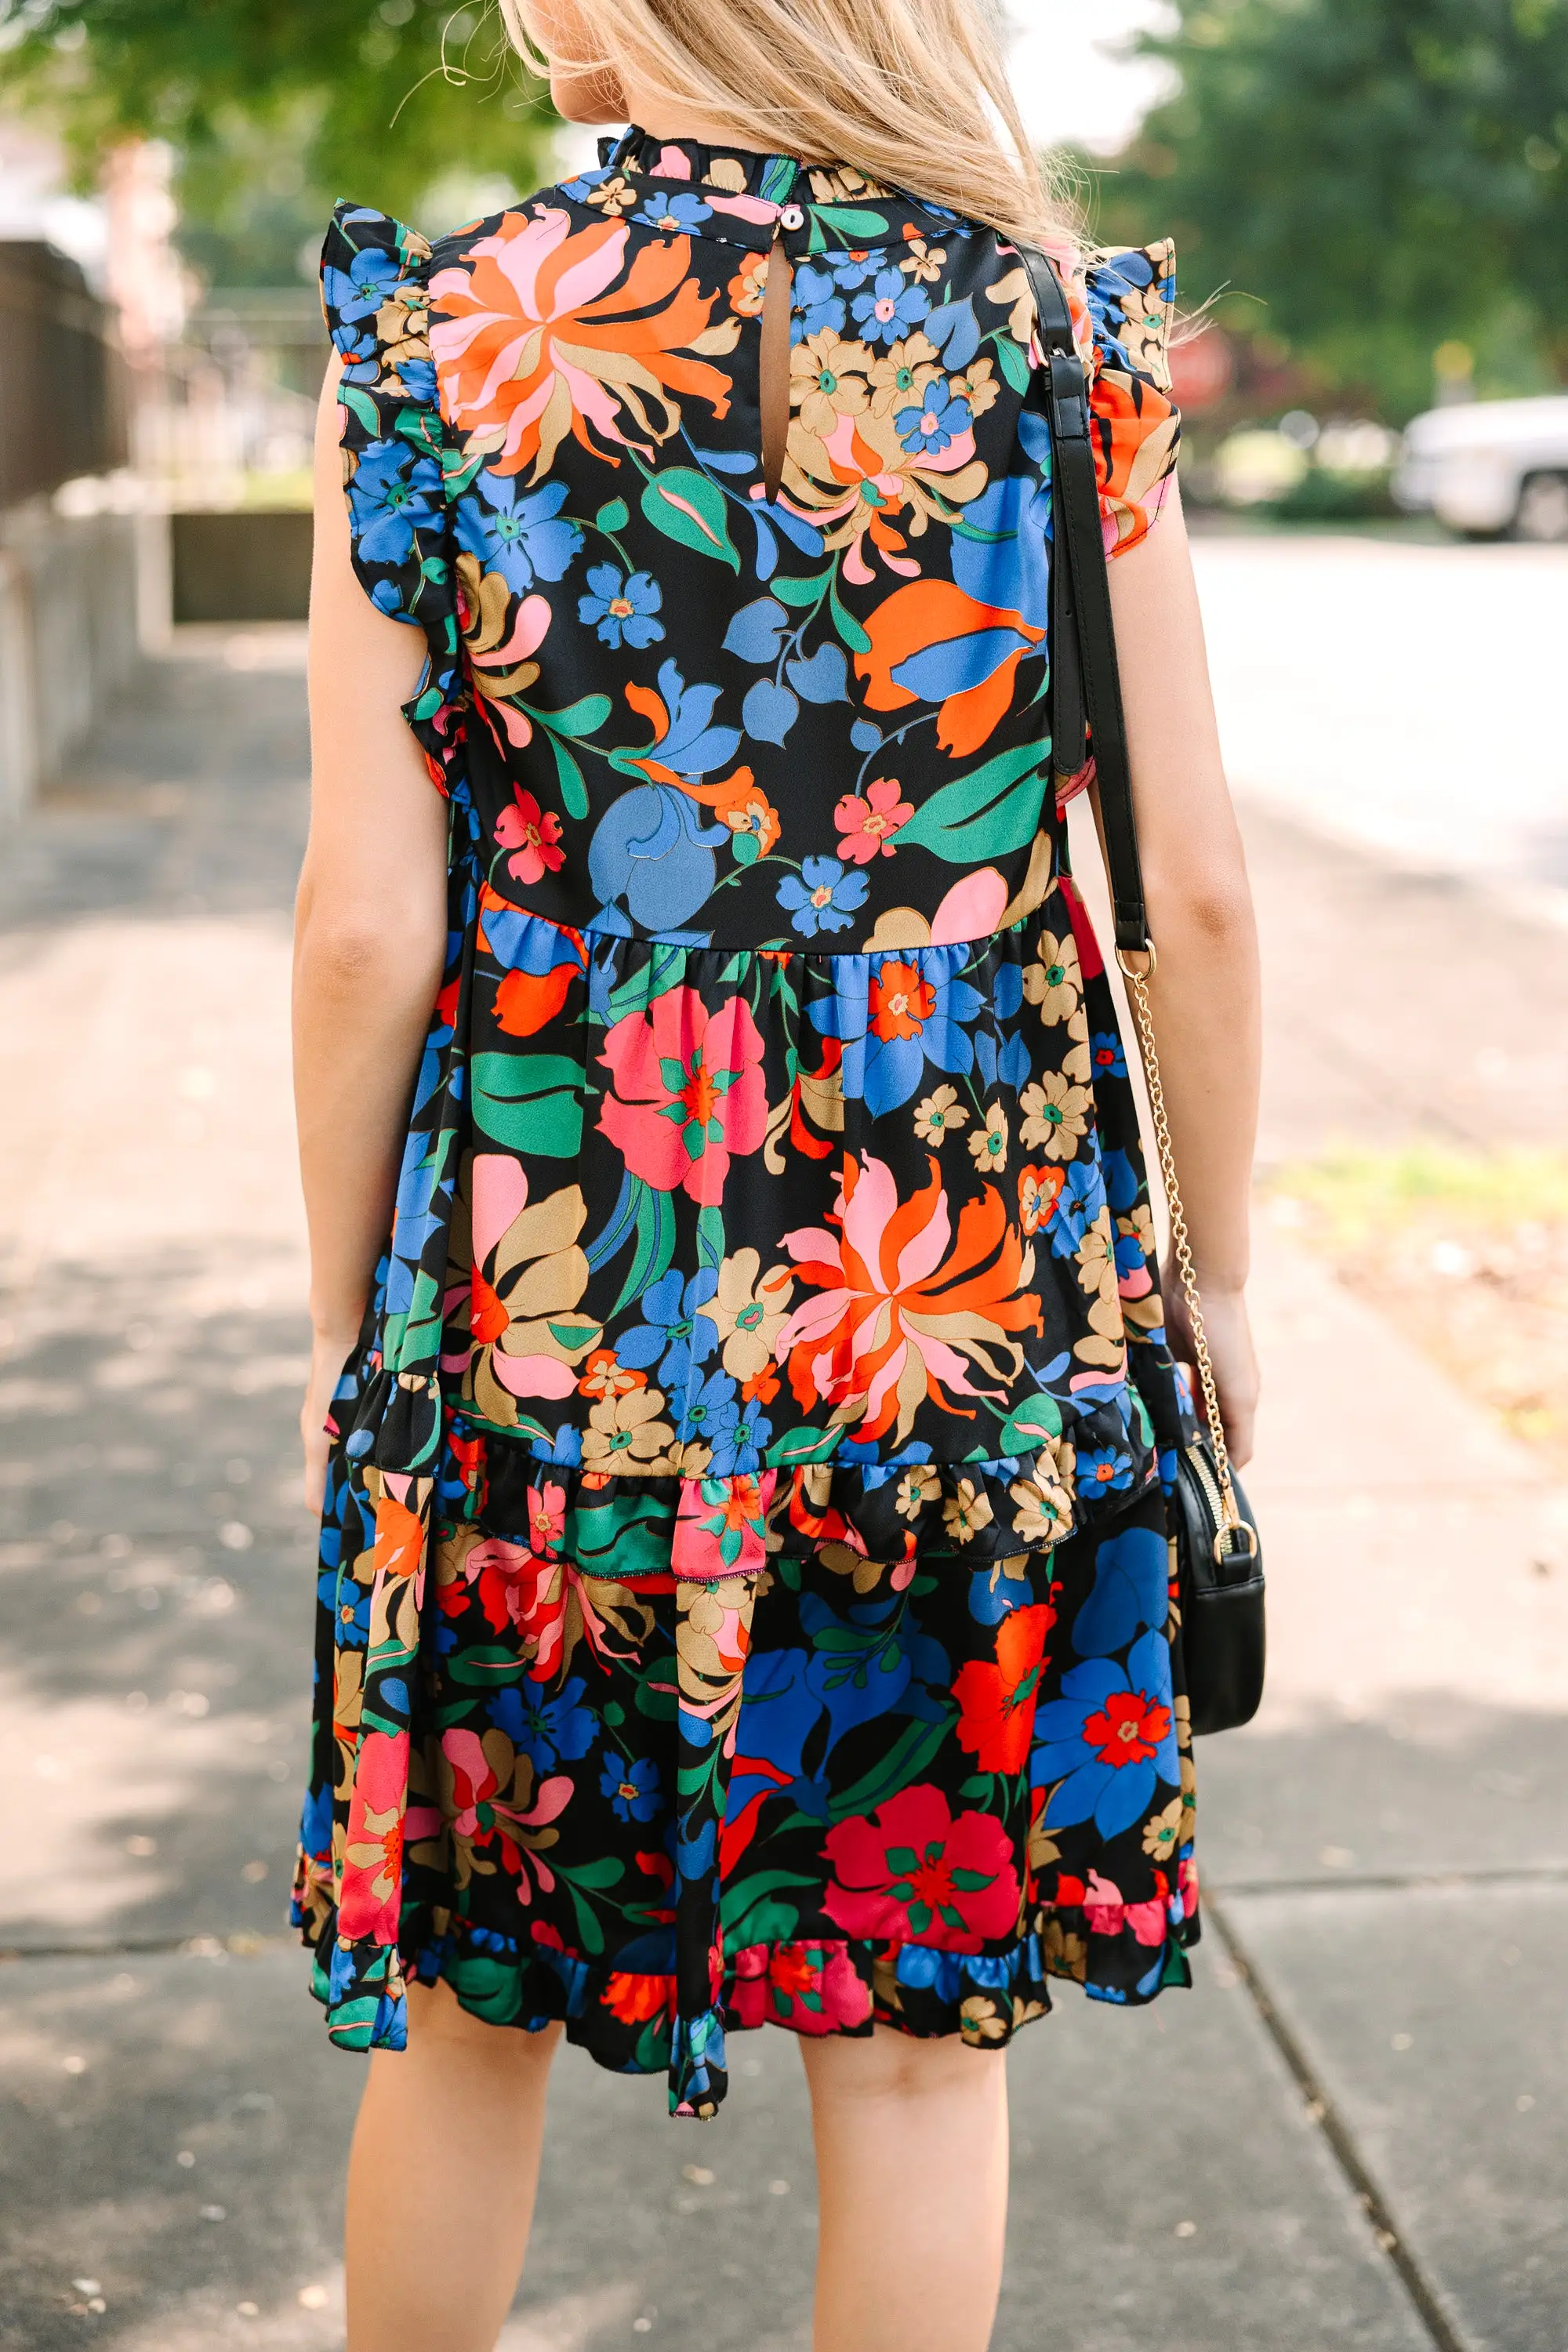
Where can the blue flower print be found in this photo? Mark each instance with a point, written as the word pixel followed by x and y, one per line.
pixel 1079 1203
pixel 1131 1594
pixel 394 492
pixel 737 1431
pixel 674 1333
pixel 933 427
pixel 1109 1740
pixel 515 533
pixel 1006 562
pixel 1104 1471
pixel 678 215
pixel 703 1407
pixel 549 1730
pixel 890 306
pixel 1105 1051
pixel 818 305
pixel 632 1788
pixel 359 291
pixel 350 1605
pixel 893 1014
pixel 622 610
pixel 850 270
pixel 822 896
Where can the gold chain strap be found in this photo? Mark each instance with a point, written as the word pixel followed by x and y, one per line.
pixel 1181 1244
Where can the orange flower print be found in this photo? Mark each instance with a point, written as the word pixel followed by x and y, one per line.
pixel 550 333
pixel 903 1314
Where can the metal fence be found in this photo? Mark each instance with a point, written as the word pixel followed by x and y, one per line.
pixel 62 392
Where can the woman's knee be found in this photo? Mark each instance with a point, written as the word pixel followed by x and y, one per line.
pixel 887 2065
pixel 437 2017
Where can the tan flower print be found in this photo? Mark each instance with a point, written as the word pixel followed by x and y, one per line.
pixel 924 263
pixel 965 1512
pixel 613 196
pixel 829 381
pixel 900 379
pixel 916 1487
pixel 1096 1258
pixel 977 385
pixel 1161 1831
pixel 1077 1063
pixel 989 1143
pixel 1053 983
pixel 1056 1115
pixel 625 1433
pixel 1043 1512
pixel 749 1313
pixel 939 1116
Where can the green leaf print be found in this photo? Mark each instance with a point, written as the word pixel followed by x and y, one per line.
pixel 689 508
pixel 1014 362
pixel 580 718
pixel 1030 1425
pixel 529 1102
pixel 860 227
pixel 990 814
pixel 802 1445
pixel 573 790
pixel 614 516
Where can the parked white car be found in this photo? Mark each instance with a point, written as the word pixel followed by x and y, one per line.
pixel 1489 466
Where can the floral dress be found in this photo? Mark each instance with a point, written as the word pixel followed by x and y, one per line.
pixel 744 1587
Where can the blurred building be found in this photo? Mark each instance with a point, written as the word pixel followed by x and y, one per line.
pixel 69 562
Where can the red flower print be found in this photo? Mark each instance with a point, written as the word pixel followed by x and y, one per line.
pixel 914 1875
pixel 527 1001
pixel 635 1998
pixel 1128 1729
pixel 1039 1189
pixel 868 826
pixel 533 834
pixel 901 1001
pixel 999 1701
pixel 689 1092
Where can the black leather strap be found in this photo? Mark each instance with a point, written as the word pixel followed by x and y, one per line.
pixel 1085 678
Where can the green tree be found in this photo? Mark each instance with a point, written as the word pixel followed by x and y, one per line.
pixel 1382 177
pixel 276 107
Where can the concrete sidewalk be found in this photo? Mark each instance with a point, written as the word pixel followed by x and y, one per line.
pixel 1353 2134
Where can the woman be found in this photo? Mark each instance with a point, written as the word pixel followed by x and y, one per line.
pixel 744 1591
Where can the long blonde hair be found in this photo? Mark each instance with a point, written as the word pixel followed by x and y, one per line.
pixel 913 93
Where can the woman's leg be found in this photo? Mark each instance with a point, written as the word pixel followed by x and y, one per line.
pixel 441 2180
pixel 912 2163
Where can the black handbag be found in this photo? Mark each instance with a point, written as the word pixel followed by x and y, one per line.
pixel 1219 1553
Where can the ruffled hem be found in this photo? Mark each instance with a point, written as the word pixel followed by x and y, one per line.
pixel 626 2018
pixel 703 1526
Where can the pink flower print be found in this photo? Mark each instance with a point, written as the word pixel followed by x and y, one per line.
pixel 534 834
pixel 720 1525
pixel 867 826
pixel 372 1855
pixel 546 1519
pixel 689 1092
pixel 913 1874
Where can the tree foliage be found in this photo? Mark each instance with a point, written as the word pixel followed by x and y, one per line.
pixel 1385 175
pixel 276 107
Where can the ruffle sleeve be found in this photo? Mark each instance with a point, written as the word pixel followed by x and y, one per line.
pixel 375 297
pixel 1131 301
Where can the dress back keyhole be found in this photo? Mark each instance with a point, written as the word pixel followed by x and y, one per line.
pixel 778 302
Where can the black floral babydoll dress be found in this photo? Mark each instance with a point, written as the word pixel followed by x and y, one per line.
pixel 744 1587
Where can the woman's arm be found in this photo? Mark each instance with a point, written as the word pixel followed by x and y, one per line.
pixel 1204 995
pixel 370 932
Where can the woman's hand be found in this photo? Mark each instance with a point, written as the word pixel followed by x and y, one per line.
pixel 330 1351
pixel 1231 1352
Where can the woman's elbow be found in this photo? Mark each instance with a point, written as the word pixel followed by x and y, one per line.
pixel 350 952
pixel 1212 909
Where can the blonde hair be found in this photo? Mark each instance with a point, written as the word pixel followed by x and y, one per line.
pixel 913 93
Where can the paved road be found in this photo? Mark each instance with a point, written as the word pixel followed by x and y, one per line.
pixel 1352 2133
pixel 1398 694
